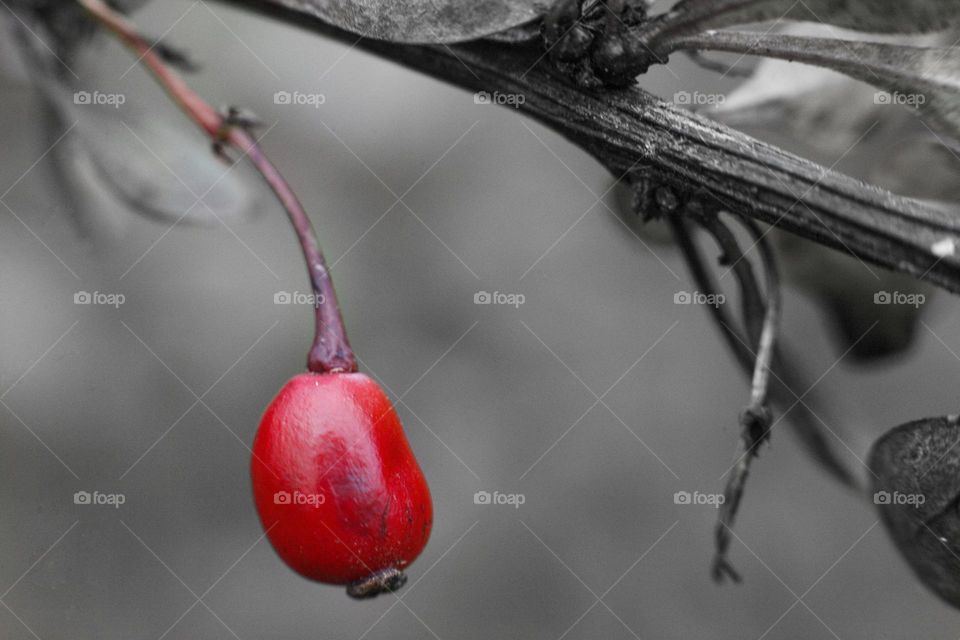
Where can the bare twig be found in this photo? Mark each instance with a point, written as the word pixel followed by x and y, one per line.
pixel 733 257
pixel 803 419
pixel 756 418
pixel 761 314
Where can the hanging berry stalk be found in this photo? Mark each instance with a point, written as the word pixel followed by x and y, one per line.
pixel 330 351
pixel 337 487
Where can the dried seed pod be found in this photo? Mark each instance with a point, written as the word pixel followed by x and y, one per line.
pixel 619 57
pixel 574 45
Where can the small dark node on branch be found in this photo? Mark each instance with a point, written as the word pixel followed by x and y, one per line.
pixel 596 43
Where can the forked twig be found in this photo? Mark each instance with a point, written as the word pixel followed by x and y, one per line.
pixel 756 418
pixel 761 316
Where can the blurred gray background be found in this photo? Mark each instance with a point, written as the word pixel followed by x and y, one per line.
pixel 494 398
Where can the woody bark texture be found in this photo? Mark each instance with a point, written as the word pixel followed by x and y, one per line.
pixel 653 144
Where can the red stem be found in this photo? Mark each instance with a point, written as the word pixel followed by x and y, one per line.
pixel 330 352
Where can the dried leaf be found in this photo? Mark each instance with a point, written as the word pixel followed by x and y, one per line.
pixel 422 20
pixel 831 118
pixel 925 78
pixel 917 492
pixel 828 117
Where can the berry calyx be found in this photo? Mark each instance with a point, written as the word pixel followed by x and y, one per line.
pixel 337 488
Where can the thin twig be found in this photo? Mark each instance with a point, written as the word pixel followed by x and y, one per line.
pixel 753 308
pixel 761 315
pixel 331 350
pixel 771 319
pixel 786 371
pixel 756 418
pixel 706 284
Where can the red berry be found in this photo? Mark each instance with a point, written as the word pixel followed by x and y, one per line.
pixel 336 485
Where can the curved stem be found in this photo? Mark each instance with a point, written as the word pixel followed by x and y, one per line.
pixel 771 318
pixel 751 298
pixel 755 419
pixel 781 379
pixel 786 372
pixel 331 350
pixel 761 313
pixel 705 282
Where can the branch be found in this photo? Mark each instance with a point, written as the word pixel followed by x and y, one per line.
pixel 632 131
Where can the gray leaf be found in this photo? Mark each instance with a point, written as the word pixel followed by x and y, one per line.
pixel 874 16
pixel 422 20
pixel 927 78
pixel 835 121
pixel 916 491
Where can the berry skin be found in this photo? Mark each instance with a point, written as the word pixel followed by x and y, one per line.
pixel 336 485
